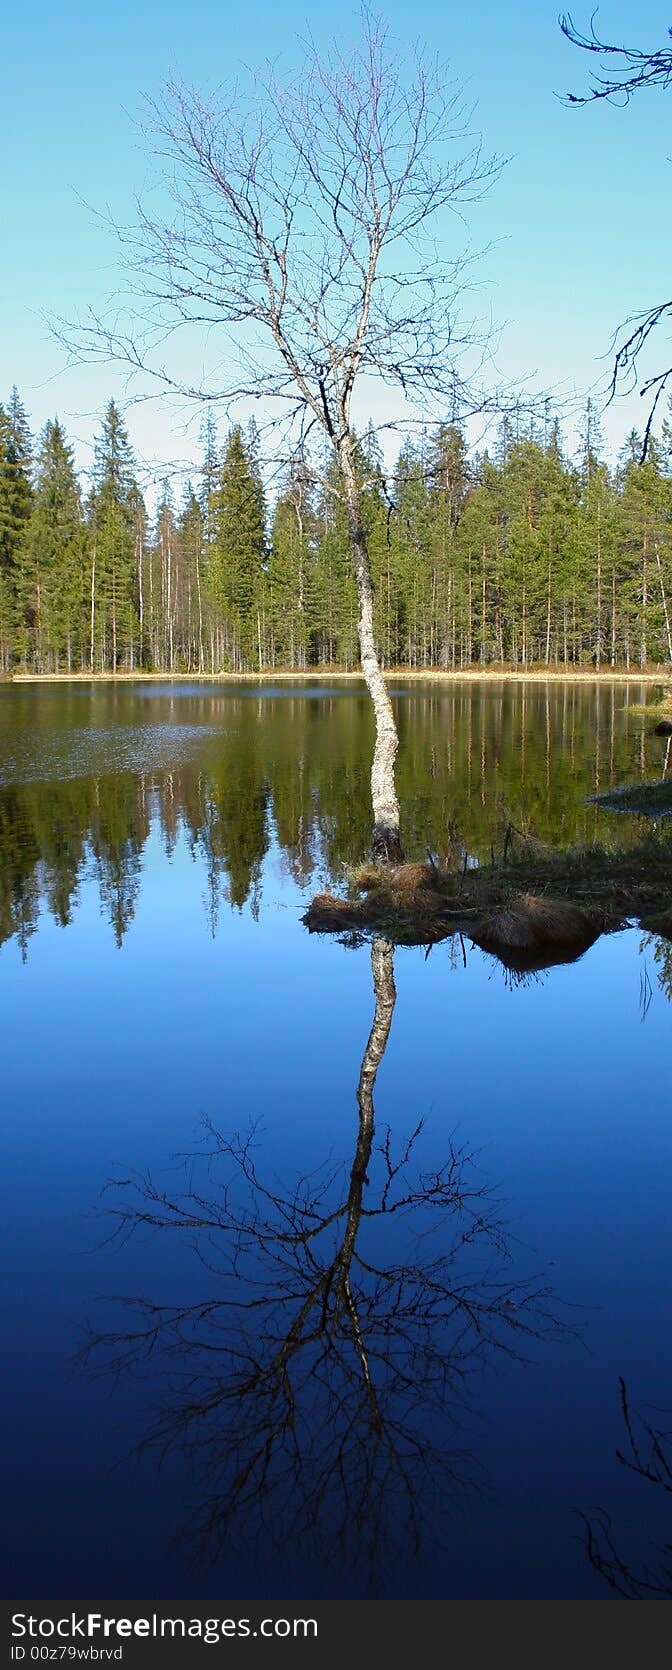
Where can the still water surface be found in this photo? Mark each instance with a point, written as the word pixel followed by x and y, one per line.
pixel 390 1227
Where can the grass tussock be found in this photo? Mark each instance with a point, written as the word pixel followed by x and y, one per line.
pixel 531 931
pixel 419 887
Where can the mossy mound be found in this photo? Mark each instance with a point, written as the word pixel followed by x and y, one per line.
pixel 645 800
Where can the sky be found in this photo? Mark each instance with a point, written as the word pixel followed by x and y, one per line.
pixel 576 231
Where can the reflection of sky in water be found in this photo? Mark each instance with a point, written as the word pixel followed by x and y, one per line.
pixel 91 751
pixel 268 691
pixel 112 1056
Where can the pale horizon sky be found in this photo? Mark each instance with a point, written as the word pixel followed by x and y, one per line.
pixel 577 227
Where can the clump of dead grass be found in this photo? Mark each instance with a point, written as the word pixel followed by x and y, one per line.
pixel 530 931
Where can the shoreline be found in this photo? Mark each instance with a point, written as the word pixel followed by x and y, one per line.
pixel 432 675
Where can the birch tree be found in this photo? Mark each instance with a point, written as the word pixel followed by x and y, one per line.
pixel 302 221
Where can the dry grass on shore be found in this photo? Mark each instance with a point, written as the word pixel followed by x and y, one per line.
pixel 433 675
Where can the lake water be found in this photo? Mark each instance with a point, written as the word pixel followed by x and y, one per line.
pixel 362 1242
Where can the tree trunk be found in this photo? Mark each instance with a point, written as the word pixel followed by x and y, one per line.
pixel 92 631
pixel 598 637
pixel 141 599
pixel 643 649
pixel 549 596
pixel 666 614
pixel 613 617
pixel 201 662
pixel 386 842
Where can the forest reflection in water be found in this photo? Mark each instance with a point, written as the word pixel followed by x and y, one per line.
pixel 323 1379
pixel 87 774
pixel 190 830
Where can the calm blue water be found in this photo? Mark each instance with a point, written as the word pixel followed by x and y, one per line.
pixel 440 1427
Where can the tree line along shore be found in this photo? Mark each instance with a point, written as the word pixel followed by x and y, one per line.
pixel 652 675
pixel 521 560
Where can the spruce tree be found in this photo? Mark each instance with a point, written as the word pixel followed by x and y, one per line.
pixel 238 553
pixel 15 477
pixel 113 510
pixel 50 570
pixel 290 576
pixel 15 506
pixel 192 543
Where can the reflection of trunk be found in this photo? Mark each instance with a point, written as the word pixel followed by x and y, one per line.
pixel 382 966
pixel 321 1382
pixel 386 842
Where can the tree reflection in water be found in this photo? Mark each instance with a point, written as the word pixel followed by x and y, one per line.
pixel 648 1453
pixel 320 1382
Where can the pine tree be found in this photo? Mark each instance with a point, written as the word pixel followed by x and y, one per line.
pixel 335 590
pixel 238 553
pixel 412 554
pixel 192 538
pixel 165 569
pixel 642 535
pixel 450 480
pixel 51 563
pixel 15 506
pixel 290 589
pixel 209 478
pixel 113 510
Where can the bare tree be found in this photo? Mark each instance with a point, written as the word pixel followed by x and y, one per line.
pixel 626 71
pixel 305 231
pixel 316 1381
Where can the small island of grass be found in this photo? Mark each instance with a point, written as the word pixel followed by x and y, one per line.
pixel 531 908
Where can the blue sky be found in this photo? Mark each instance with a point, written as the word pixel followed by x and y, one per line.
pixel 578 224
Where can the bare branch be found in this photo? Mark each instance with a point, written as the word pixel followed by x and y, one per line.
pixel 630 68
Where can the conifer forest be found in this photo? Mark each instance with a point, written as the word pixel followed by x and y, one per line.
pixel 522 555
